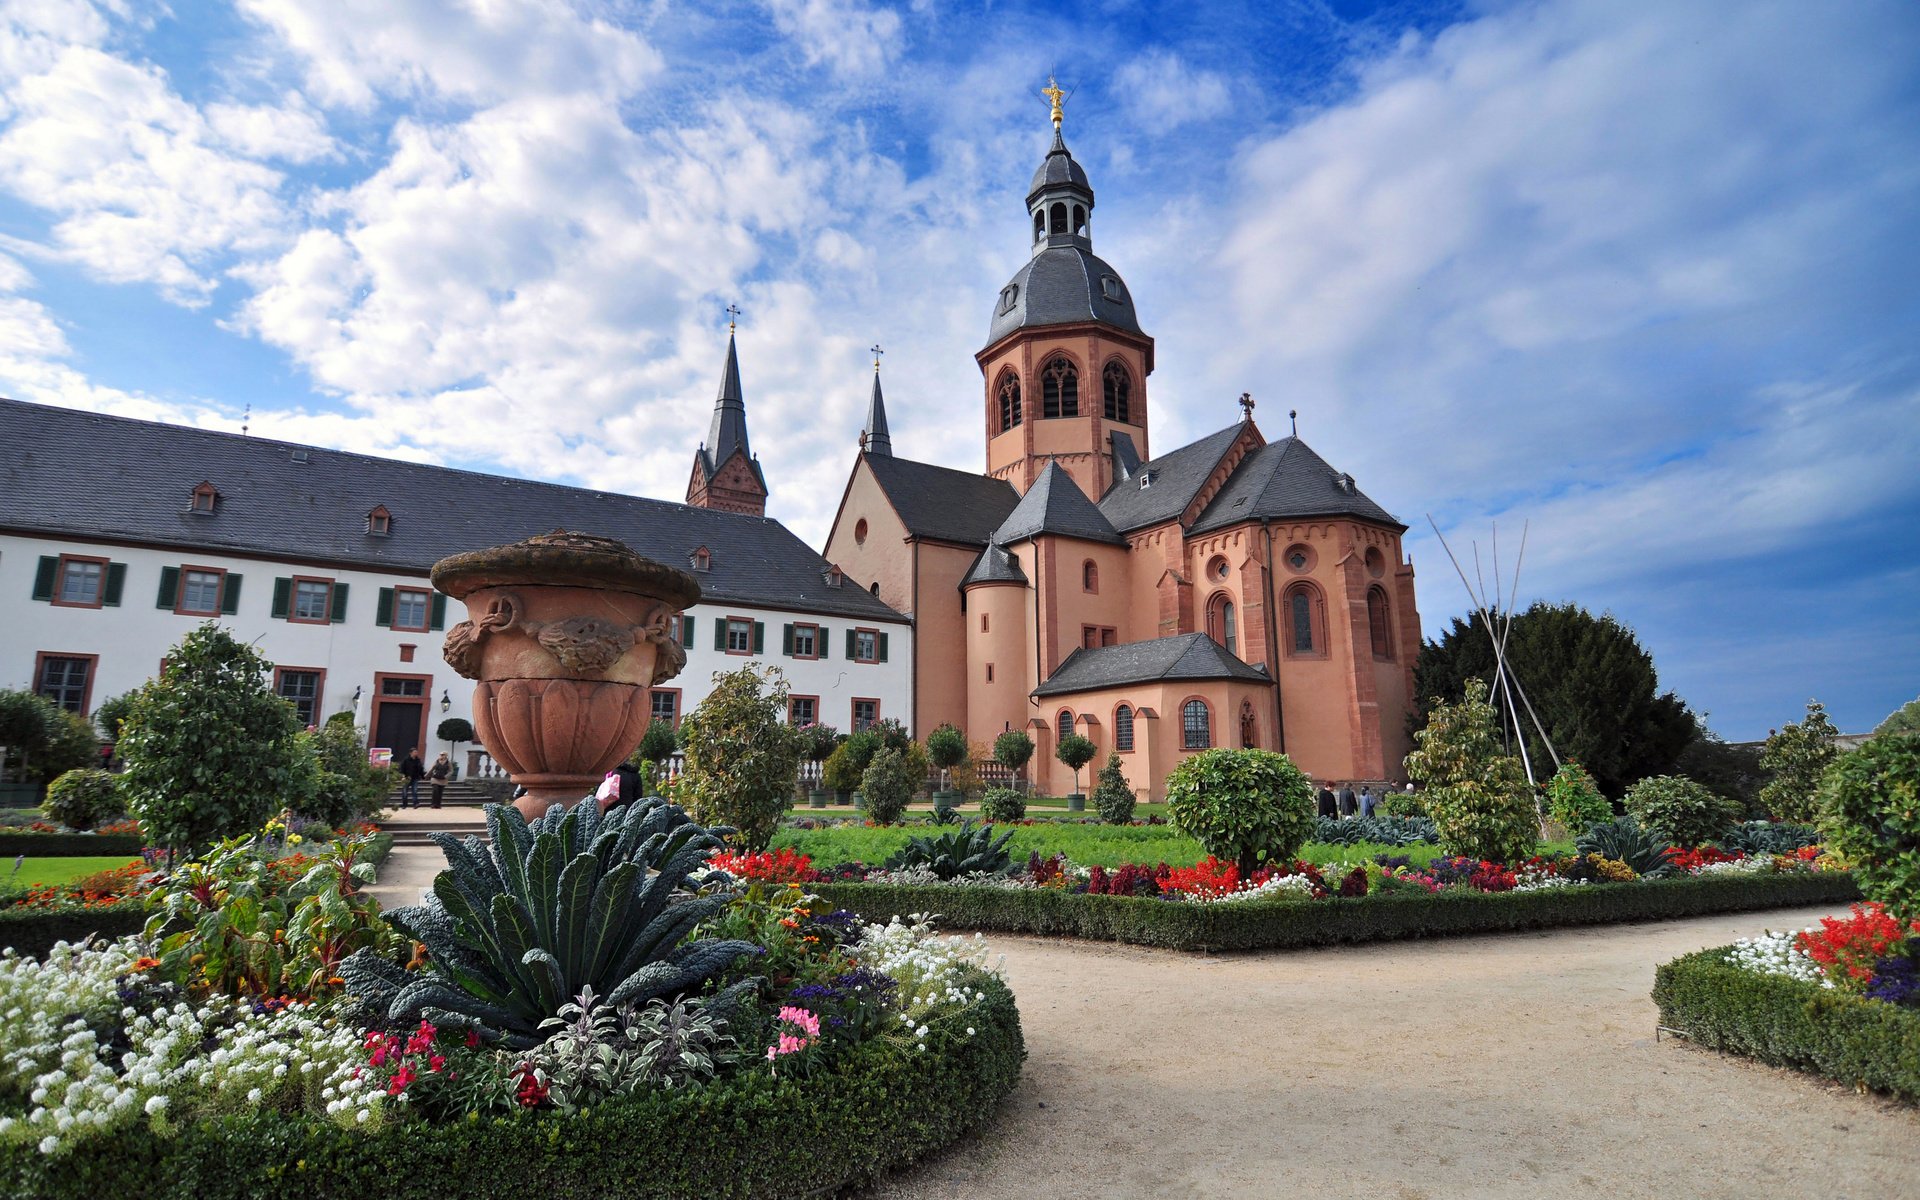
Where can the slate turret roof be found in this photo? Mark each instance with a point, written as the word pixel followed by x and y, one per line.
pixel 877 440
pixel 99 478
pixel 941 503
pixel 1185 656
pixel 728 433
pixel 1055 504
pixel 1286 480
pixel 996 564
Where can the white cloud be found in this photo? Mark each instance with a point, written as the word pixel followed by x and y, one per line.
pixel 290 131
pixel 1161 91
pixel 853 39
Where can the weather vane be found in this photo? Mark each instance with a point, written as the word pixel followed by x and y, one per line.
pixel 877 352
pixel 1056 97
pixel 733 314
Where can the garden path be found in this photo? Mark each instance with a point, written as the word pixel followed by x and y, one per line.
pixel 1522 1065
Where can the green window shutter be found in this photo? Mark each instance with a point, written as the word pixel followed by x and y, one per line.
pixel 339 612
pixel 822 642
pixel 383 612
pixel 759 636
pixel 169 589
pixel 43 576
pixel 686 633
pixel 439 610
pixel 786 640
pixel 720 633
pixel 883 647
pixel 282 596
pixel 853 648
pixel 230 594
pixel 116 584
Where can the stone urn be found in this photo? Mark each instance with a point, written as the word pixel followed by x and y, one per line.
pixel 565 632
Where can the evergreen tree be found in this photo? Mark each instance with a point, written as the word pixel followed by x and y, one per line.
pixel 1591 683
pixel 1797 756
pixel 1905 719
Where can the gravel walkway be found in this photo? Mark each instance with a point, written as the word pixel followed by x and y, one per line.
pixel 1522 1065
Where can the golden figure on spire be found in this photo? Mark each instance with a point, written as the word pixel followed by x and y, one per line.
pixel 1054 96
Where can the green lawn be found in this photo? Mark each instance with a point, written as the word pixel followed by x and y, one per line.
pixel 57 870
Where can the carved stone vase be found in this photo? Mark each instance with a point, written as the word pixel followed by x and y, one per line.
pixel 565 632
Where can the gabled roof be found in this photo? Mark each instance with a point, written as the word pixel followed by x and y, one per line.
pixel 99 478
pixel 1286 479
pixel 994 565
pixel 942 503
pixel 1055 504
pixel 1185 656
pixel 1176 478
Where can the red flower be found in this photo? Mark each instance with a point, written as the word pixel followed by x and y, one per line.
pixel 532 1092
pixel 400 1080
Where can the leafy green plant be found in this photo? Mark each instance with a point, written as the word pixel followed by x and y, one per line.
pixel 1243 806
pixel 596 1051
pixel 818 741
pixel 1075 752
pixel 1798 756
pixel 1113 796
pixel 453 731
pixel 516 928
pixel 1013 750
pixel 742 755
pixel 1383 831
pixel 1768 837
pixel 84 798
pixel 946 747
pixel 1399 802
pixel 1477 796
pixel 1905 719
pixel 1645 850
pixel 110 714
pixel 887 785
pixel 850 760
pixel 40 741
pixel 210 751
pixel 1574 799
pixel 1003 804
pixel 1680 809
pixel 964 851
pixel 1872 801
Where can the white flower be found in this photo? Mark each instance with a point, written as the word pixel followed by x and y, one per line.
pixel 49 1144
pixel 156 1105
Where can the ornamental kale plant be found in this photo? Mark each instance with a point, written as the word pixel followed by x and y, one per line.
pixel 1625 841
pixel 516 929
pixel 963 851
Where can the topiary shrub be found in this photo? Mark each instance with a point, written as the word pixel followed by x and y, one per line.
pixel 1243 806
pixel 1013 749
pixel 1113 796
pixel 946 747
pixel 817 741
pixel 1872 802
pixel 1003 804
pixel 1684 812
pixel 742 755
pixel 1075 752
pixel 1574 799
pixel 887 785
pixel 84 798
pixel 1477 796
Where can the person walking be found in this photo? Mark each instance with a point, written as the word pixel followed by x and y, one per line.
pixel 412 770
pixel 1348 806
pixel 1366 801
pixel 1326 801
pixel 437 776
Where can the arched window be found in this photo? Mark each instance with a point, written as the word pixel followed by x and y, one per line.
pixel 1196 726
pixel 1060 389
pixel 1010 412
pixel 1063 725
pixel 1377 623
pixel 1119 388
pixel 1123 727
pixel 1089 576
pixel 1305 631
pixel 1057 215
pixel 1221 625
pixel 1079 221
pixel 1039 225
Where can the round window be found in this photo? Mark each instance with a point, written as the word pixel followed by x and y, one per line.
pixel 1299 557
pixel 1376 562
pixel 1218 567
pixel 860 531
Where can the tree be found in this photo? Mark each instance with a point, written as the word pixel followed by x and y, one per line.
pixel 454 730
pixel 1113 796
pixel 1244 806
pixel 1686 813
pixel 1013 750
pixel 656 746
pixel 946 748
pixel 1476 794
pixel 1724 768
pixel 110 714
pixel 210 750
pixel 349 788
pixel 1798 756
pixel 1871 815
pixel 1574 800
pixel 887 785
pixel 1590 682
pixel 741 754
pixel 1905 719
pixel 40 741
pixel 1076 752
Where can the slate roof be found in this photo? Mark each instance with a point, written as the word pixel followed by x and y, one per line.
pixel 1059 169
pixel 1055 504
pixel 942 503
pixel 994 565
pixel 103 478
pixel 1286 479
pixel 1177 477
pixel 1060 285
pixel 728 434
pixel 1185 656
pixel 878 440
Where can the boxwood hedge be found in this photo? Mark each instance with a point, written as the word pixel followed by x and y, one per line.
pixel 70 845
pixel 33 931
pixel 883 1106
pixel 1866 1043
pixel 1265 925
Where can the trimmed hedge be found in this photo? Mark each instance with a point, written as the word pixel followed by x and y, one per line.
pixel 1866 1043
pixel 1287 924
pixel 33 931
pixel 752 1136
pixel 70 845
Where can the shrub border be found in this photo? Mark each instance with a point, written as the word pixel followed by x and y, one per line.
pixel 71 845
pixel 1269 925
pixel 745 1138
pixel 1790 1023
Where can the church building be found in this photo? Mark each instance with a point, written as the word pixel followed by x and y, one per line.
pixel 1229 592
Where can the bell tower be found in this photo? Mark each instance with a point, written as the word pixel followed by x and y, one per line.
pixel 1066 363
pixel 726 473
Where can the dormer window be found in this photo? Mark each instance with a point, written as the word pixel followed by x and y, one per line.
pixel 702 559
pixel 1146 479
pixel 1110 288
pixel 205 496
pixel 380 522
pixel 835 578
pixel 1008 296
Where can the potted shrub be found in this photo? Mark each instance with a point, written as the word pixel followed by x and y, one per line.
pixel 946 749
pixel 656 746
pixel 854 755
pixel 1076 752
pixel 1012 750
pixel 817 743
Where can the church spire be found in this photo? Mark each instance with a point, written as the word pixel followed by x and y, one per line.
pixel 874 438
pixel 725 473
pixel 729 431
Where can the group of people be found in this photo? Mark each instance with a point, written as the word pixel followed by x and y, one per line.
pixel 412 771
pixel 1345 803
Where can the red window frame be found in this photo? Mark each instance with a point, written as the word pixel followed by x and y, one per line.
pixel 60 581
pixel 426 610
pixel 293 601
pixel 731 622
pixel 380 696
pixel 853 712
pixel 652 713
pixel 319 687
pixel 858 657
pixel 93 669
pixel 219 592
pixel 814 700
pixel 797 627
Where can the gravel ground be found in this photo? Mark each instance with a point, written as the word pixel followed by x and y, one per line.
pixel 1521 1065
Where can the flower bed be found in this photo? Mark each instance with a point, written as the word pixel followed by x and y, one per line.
pixel 1840 999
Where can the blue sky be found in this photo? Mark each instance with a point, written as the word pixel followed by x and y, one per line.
pixel 1642 275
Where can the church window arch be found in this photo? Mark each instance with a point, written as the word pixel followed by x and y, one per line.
pixel 1039 225
pixel 1379 630
pixel 1089 576
pixel 1008 394
pixel 1196 725
pixel 1057 218
pixel 1123 728
pixel 1079 221
pixel 1059 388
pixel 1222 623
pixel 1305 613
pixel 1117 382
pixel 1063 725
